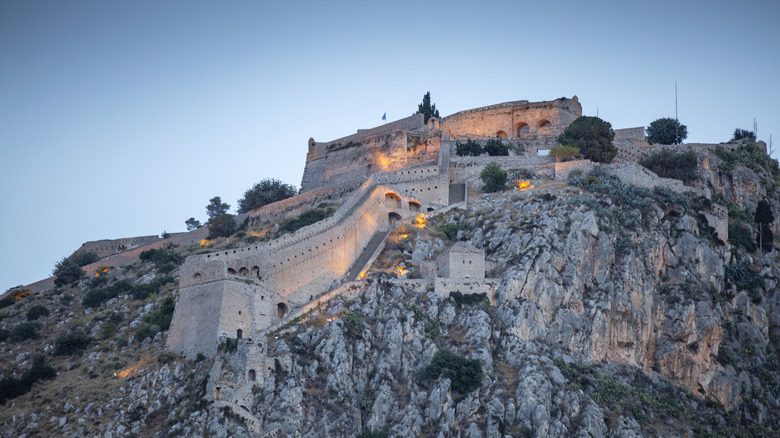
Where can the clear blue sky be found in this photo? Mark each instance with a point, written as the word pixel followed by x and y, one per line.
pixel 120 119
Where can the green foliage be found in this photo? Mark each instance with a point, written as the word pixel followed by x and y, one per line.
pixel 160 256
pixel 7 302
pixel 146 331
pixel 322 211
pixel 143 291
pixel 740 236
pixel 353 323
pixel 493 177
pixel 108 329
pixel 495 147
pixel 763 213
pixel 68 274
pixel 192 224
pixel 461 299
pixel 740 134
pixel 432 330
pixel 216 208
pixel 265 192
pixel 11 387
pixel 742 277
pixel 427 109
pixel 163 315
pixel 564 152
pixel 36 312
pixel 371 433
pixel 592 136
pixel 465 374
pixel 96 297
pixel 666 130
pixel 670 164
pixel 592 180
pixel 765 238
pixel 750 156
pixel 736 212
pixel 24 331
pixel 450 230
pixel 470 148
pixel 222 226
pixel 72 344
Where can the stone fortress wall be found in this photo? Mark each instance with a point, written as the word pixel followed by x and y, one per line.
pixel 400 170
pixel 107 247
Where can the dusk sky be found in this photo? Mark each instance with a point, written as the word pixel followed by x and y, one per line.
pixel 122 119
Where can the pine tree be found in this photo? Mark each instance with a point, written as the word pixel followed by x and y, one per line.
pixel 764 217
pixel 426 109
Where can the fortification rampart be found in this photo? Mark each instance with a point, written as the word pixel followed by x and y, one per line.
pixel 563 170
pixel 515 119
pixel 106 247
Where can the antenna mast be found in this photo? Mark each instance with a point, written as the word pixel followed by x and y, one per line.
pixel 677 121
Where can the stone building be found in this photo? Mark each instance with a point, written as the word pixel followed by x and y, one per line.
pixel 461 260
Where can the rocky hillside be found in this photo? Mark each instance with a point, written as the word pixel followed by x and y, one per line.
pixel 618 313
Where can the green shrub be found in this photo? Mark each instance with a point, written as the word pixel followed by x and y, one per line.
pixel 743 277
pixel 163 315
pixel 592 180
pixel 461 299
pixel 146 331
pixel 36 312
pixel 564 152
pixel 69 274
pixel 493 177
pixel 353 323
pixel 11 387
pixel 222 226
pixel 96 297
pixel 470 148
pixel 450 230
pixel 24 331
pixel 73 344
pixel 161 257
pixel 166 268
pixel 495 147
pixel 740 236
pixel 108 329
pixel 592 136
pixel 7 301
pixel 671 164
pixel 465 374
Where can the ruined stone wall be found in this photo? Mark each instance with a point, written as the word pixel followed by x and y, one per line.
pixel 564 169
pixel 297 204
pixel 467 169
pixel 461 265
pixel 107 247
pixel 445 286
pixel 520 119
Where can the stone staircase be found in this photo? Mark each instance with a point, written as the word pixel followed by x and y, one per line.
pixel 366 256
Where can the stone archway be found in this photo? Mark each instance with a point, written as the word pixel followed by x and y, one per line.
pixel 239 334
pixel 522 129
pixel 256 271
pixel 501 134
pixel 252 376
pixel 392 200
pixel 393 217
pixel 243 271
pixel 414 206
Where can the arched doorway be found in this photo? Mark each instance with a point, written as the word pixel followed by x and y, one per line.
pixel 242 271
pixel 414 206
pixel 545 127
pixel 239 334
pixel 501 134
pixel 281 310
pixel 231 271
pixel 393 217
pixel 256 271
pixel 252 375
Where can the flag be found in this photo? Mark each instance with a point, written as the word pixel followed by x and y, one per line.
pixel 384 116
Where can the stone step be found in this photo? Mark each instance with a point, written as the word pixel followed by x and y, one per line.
pixel 361 261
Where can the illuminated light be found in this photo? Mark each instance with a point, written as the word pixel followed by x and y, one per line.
pixel 384 162
pixel 420 219
pixel 401 271
pixel 524 185
pixel 124 373
pixel 204 242
pixel 21 294
pixel 362 275
pixel 258 233
pixel 102 270
pixel 403 236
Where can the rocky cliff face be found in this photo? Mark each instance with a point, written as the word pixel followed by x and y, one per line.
pixel 618 313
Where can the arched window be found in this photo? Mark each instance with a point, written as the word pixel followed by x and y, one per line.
pixel 196 276
pixel 256 271
pixel 231 271
pixel 242 271
pixel 252 375
pixel 414 206
pixel 239 334
pixel 501 134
